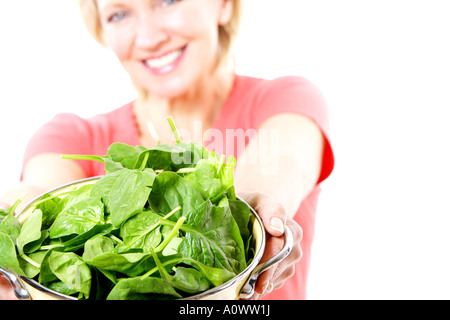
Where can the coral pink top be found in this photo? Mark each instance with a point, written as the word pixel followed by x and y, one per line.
pixel 250 103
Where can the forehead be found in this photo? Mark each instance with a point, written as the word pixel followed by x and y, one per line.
pixel 105 3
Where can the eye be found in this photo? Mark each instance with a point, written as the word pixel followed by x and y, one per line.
pixel 166 3
pixel 117 16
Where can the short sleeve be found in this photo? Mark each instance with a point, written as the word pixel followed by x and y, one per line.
pixel 64 134
pixel 68 133
pixel 296 95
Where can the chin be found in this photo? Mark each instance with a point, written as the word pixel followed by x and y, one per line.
pixel 169 88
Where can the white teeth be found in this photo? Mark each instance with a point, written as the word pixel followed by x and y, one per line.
pixel 164 60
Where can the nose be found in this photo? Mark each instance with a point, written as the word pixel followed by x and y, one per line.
pixel 150 32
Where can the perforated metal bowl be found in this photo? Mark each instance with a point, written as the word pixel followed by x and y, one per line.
pixel 240 287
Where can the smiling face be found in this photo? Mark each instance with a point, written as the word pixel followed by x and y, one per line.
pixel 167 46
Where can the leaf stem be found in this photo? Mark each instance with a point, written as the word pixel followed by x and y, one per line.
pixel 30 261
pixel 187 170
pixel 221 163
pixel 52 246
pixel 156 225
pixel 144 162
pixel 114 238
pixel 82 157
pixel 171 261
pixel 53 196
pixel 172 234
pixel 162 271
pixel 18 201
pixel 174 129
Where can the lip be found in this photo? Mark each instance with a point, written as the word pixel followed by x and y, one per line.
pixel 167 68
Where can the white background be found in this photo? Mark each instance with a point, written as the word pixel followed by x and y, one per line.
pixel 383 65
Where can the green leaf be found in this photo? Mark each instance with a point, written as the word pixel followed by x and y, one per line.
pixel 10 226
pixel 124 192
pixel 217 276
pixel 50 208
pixel 143 289
pixel 141 231
pixel 212 176
pixel 170 191
pixel 31 231
pixel 30 270
pixel 78 242
pixel 213 238
pixel 78 218
pixel 97 246
pixel 119 156
pixel 131 264
pixel 71 270
pixel 9 260
pixel 189 280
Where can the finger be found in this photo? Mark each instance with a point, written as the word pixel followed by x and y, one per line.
pixel 273 246
pixel 6 291
pixel 273 215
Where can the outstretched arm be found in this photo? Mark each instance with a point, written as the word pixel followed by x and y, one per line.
pixel 289 160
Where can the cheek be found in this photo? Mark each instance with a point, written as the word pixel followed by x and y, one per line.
pixel 192 23
pixel 121 43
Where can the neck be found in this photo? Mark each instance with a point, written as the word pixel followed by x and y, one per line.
pixel 201 105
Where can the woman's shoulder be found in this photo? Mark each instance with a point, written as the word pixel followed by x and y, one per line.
pixel 98 130
pixel 72 118
pixel 281 94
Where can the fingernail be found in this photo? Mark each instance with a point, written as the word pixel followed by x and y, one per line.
pixel 277 224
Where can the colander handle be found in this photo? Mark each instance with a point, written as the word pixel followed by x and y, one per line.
pixel 249 288
pixel 19 290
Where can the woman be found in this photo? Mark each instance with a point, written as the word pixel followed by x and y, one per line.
pixel 176 54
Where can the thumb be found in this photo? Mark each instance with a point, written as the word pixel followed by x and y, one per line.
pixel 273 216
pixel 272 213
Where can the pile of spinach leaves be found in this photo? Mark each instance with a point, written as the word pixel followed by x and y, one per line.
pixel 163 223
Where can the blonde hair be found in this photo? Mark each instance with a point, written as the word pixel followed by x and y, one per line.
pixel 227 33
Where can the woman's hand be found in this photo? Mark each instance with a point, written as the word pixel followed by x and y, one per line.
pixel 275 219
pixel 6 291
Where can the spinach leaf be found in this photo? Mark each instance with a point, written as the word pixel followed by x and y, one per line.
pixel 124 193
pixel 10 226
pixel 189 280
pixel 71 270
pixel 8 222
pixel 217 276
pixel 50 206
pixel 61 287
pixel 119 156
pixel 131 264
pixel 79 241
pixel 213 176
pixel 241 214
pixel 30 232
pixel 46 275
pixel 165 157
pixel 9 259
pixel 96 246
pixel 30 270
pixel 171 191
pixel 78 218
pixel 213 238
pixel 185 279
pixel 141 231
pixel 143 289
